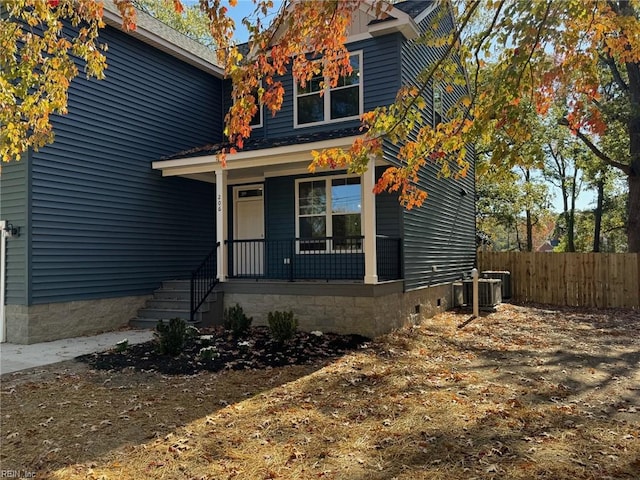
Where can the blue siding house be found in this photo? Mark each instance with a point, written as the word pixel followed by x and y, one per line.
pixel 110 212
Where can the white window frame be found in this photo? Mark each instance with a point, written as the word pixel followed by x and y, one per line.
pixel 326 97
pixel 328 215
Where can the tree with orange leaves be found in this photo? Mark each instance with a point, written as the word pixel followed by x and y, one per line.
pixel 585 54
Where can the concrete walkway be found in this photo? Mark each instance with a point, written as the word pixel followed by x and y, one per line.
pixel 14 358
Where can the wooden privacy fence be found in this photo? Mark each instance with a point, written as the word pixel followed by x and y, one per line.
pixel 574 279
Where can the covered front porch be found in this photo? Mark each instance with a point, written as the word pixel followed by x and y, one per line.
pixel 275 221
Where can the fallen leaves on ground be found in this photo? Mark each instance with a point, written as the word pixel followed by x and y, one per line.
pixel 525 392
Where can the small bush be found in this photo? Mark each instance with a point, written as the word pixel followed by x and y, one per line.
pixel 235 320
pixel 282 325
pixel 171 337
pixel 122 345
pixel 208 353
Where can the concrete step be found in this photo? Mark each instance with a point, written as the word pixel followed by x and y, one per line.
pixel 176 285
pixel 151 323
pixel 164 313
pixel 171 294
pixel 173 304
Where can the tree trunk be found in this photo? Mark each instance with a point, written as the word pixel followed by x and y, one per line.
pixel 633 225
pixel 529 232
pixel 571 219
pixel 597 214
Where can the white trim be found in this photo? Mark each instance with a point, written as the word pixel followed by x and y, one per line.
pixel 368 219
pixel 326 98
pixel 327 214
pixel 222 224
pixel 425 13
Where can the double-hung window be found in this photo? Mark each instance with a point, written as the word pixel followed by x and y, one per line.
pixel 328 212
pixel 316 104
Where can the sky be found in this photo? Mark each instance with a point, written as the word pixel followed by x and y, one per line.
pixel 242 9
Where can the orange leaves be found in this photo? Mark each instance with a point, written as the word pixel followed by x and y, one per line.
pixel 36 69
pixel 128 12
pixel 177 5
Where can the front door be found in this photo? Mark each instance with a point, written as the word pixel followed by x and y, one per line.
pixel 248 246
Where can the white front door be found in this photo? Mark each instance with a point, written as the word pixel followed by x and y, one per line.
pixel 248 219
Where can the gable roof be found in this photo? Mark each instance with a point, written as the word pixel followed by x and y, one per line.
pixel 163 37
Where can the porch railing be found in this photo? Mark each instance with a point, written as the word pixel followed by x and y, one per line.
pixel 203 280
pixel 325 258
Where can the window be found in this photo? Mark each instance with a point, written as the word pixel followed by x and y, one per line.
pixel 256 120
pixel 340 103
pixel 329 207
pixel 437 105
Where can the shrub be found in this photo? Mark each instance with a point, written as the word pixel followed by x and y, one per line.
pixel 282 325
pixel 208 353
pixel 235 320
pixel 122 345
pixel 172 337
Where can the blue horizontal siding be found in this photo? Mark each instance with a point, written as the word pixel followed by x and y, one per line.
pixel 105 224
pixel 14 184
pixel 439 236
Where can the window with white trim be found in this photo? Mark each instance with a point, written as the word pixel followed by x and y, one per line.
pixel 315 104
pixel 328 214
pixel 256 120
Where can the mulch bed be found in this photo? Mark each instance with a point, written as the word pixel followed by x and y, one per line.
pixel 257 350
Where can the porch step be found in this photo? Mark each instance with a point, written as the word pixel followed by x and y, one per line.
pixel 171 300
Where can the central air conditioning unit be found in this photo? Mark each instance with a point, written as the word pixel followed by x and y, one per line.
pixel 489 292
pixel 504 276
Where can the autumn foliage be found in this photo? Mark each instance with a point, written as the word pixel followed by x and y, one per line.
pixel 502 58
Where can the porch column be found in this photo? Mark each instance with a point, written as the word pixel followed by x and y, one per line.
pixel 221 223
pixel 369 223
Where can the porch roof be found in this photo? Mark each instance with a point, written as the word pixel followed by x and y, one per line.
pixel 260 156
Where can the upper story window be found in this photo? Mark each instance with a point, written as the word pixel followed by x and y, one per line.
pixel 328 212
pixel 256 120
pixel 343 102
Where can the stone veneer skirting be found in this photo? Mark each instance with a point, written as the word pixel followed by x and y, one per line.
pixel 53 321
pixel 368 310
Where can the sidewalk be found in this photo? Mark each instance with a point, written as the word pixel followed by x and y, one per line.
pixel 14 358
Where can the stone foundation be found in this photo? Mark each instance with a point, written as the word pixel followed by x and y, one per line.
pixel 53 321
pixel 369 310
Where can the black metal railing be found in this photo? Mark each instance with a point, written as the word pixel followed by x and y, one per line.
pixel 203 280
pixel 324 258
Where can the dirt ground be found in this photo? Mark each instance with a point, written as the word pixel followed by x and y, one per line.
pixel 527 392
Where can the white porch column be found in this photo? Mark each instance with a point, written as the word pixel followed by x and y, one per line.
pixel 369 223
pixel 221 223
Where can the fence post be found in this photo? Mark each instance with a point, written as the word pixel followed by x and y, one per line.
pixel 476 302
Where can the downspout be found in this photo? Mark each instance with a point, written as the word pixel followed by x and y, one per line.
pixel 3 271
